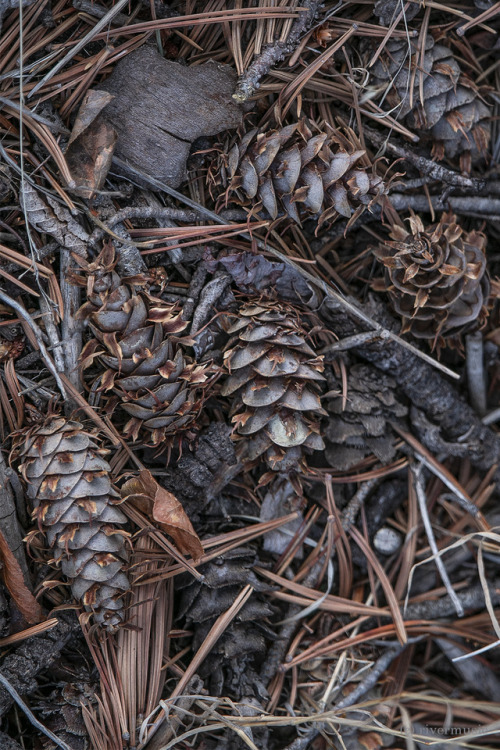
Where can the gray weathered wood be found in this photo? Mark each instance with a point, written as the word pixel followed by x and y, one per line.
pixel 161 107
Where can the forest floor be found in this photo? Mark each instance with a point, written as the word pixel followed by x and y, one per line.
pixel 249 374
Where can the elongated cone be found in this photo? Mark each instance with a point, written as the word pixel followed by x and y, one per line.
pixel 275 376
pixel 136 342
pixel 434 97
pixel 75 505
pixel 299 173
pixel 436 276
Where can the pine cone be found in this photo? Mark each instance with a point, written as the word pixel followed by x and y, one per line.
pixel 292 170
pixel 152 378
pixel 362 427
pixel 69 484
pixel 436 277
pixel 275 375
pixel 449 110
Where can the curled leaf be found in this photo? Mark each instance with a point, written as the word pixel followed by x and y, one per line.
pixel 164 508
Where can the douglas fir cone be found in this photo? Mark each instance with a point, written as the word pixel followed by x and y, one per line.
pixel 449 111
pixel 135 341
pixel 74 504
pixel 276 378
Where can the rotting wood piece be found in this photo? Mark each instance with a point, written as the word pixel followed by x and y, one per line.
pixel 161 107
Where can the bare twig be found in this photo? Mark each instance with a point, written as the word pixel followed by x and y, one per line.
pixel 430 168
pixel 422 504
pixel 71 328
pixel 24 314
pixel 470 205
pixel 275 52
pixel 22 705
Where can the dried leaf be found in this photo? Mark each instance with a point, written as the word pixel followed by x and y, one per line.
pixel 13 579
pixel 165 509
pixel 93 102
pixel 91 145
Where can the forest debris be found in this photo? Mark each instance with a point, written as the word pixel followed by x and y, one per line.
pixel 202 473
pixel 164 508
pixel 21 666
pixel 276 51
pixel 161 107
pixel 50 217
pixel 13 579
pixel 436 276
pixel 90 149
pixel 69 485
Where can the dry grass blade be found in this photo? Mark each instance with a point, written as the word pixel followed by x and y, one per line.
pixel 307 596
pixel 384 582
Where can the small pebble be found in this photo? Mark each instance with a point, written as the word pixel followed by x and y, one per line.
pixel 387 541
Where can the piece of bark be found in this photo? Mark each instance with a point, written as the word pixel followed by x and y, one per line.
pixel 7 743
pixel 21 666
pixel 160 107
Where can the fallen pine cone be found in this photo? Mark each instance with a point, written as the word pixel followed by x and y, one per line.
pixel 361 426
pixel 275 376
pixel 135 340
pixel 302 174
pixel 450 110
pixel 436 276
pixel 74 504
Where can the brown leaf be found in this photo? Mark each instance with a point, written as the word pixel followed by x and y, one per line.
pixel 158 503
pixel 91 144
pixel 13 579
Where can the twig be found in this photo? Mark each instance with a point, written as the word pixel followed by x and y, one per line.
pixel 470 205
pixel 15 695
pixel 476 380
pixel 371 679
pixel 357 500
pixel 424 165
pixel 275 52
pixel 71 329
pixel 422 504
pixel 471 599
pixel 52 334
pixel 98 11
pixel 38 335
